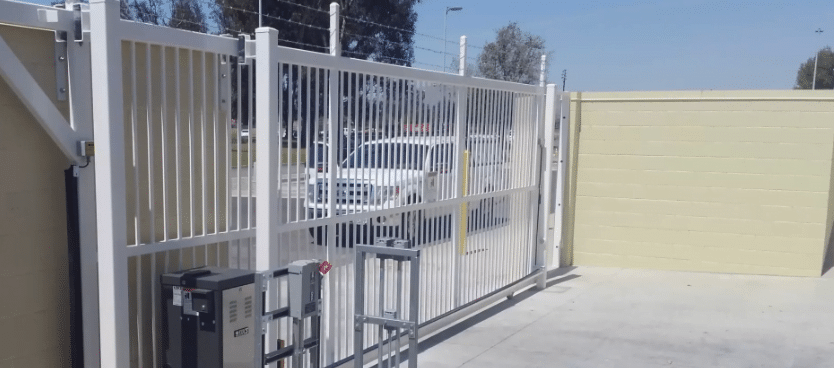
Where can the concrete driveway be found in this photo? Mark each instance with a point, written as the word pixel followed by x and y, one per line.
pixel 603 317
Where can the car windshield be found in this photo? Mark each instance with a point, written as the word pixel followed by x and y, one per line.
pixel 406 156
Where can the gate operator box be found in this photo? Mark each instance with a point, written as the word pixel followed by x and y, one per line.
pixel 208 317
pixel 305 288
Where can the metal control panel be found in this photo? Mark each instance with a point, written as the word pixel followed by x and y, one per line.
pixel 305 288
pixel 208 318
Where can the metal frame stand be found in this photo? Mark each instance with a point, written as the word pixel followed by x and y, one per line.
pixel 297 311
pixel 391 323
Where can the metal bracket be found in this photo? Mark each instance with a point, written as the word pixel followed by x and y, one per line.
pixel 61 69
pixel 241 48
pixel 224 79
pixel 76 17
pixel 267 277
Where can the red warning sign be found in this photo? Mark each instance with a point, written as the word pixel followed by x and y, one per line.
pixel 325 267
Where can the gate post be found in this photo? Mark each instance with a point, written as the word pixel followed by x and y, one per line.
pixel 545 243
pixel 561 176
pixel 111 215
pixel 266 165
pixel 458 228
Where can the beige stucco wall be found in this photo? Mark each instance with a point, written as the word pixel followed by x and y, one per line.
pixel 730 181
pixel 33 236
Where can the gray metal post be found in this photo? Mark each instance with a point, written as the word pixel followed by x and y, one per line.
pixel 297 342
pixel 358 308
pixel 399 307
pixel 315 324
pixel 413 314
pixel 390 323
pixel 381 297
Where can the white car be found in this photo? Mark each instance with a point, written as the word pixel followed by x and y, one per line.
pixel 394 172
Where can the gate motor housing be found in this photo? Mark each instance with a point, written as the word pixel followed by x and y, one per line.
pixel 208 318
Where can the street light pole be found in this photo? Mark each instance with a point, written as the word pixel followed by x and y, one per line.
pixel 448 9
pixel 816 56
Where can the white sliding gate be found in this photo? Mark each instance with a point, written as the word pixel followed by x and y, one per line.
pixel 451 162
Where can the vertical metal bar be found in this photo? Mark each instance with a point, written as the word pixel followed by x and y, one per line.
pixel 495 171
pixel 545 244
pixel 134 145
pixel 300 182
pixel 561 175
pixel 413 349
pixel 399 309
pixel 269 153
pixel 386 160
pixel 81 118
pixel 359 309
pixel 457 170
pixel 507 200
pixel 297 342
pixel 239 149
pixel 228 152
pixel 191 141
pixel 163 117
pixel 291 107
pixel 203 155
pixel 258 311
pixel 534 240
pixel 216 121
pixel 148 108
pixel 111 219
pixel 381 292
pixel 332 162
pixel 250 178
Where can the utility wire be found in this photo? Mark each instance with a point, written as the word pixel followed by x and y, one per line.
pixel 303 6
pixel 271 16
pixel 306 44
pixel 169 19
pixel 393 43
pixel 391 27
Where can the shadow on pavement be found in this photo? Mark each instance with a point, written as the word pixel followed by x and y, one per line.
pixel 488 313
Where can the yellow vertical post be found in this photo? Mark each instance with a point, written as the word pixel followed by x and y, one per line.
pixel 463 206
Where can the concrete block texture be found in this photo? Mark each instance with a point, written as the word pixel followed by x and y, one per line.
pixel 729 181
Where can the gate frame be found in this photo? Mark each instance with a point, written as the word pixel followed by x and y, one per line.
pixel 103 189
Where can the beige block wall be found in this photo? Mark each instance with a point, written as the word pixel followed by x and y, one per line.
pixel 33 236
pixel 729 181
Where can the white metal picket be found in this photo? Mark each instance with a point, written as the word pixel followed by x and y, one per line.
pixel 177 183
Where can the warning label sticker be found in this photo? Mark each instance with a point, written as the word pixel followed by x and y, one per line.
pixel 177 296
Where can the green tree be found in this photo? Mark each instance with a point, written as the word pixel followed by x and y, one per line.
pixel 825 71
pixel 380 30
pixel 125 11
pixel 514 56
pixel 188 15
pixel 148 11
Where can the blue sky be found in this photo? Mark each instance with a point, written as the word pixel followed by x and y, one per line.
pixel 645 45
pixel 649 45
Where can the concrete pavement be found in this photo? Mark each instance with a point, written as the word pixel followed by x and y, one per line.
pixel 604 317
